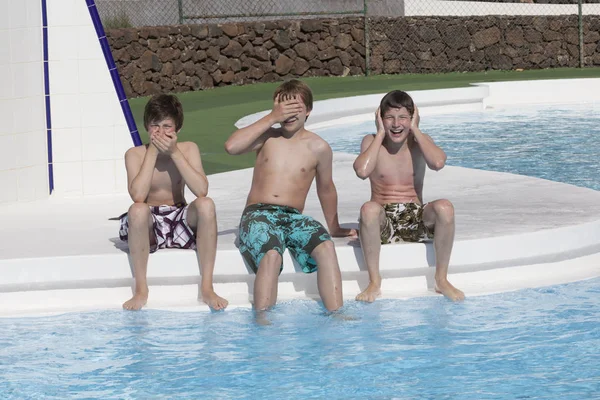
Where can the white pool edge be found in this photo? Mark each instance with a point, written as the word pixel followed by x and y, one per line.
pixel 398 283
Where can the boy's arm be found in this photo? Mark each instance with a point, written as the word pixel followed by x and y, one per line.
pixel 188 162
pixel 327 192
pixel 139 172
pixel 189 165
pixel 365 163
pixel 252 137
pixel 434 156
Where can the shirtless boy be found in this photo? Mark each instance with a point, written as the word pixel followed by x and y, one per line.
pixel 394 160
pixel 288 158
pixel 159 217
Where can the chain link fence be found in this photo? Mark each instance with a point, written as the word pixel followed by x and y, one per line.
pixel 137 13
pixel 446 36
pixel 237 42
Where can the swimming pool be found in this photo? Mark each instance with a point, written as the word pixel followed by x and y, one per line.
pixel 558 142
pixel 535 343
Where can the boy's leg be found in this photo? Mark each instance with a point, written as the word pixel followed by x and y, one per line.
pixel 140 234
pixel 329 277
pixel 202 218
pixel 372 219
pixel 440 215
pixel 265 284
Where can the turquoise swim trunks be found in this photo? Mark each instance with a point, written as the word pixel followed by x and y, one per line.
pixel 265 227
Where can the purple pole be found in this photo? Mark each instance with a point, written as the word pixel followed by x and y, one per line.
pixel 47 96
pixel 114 73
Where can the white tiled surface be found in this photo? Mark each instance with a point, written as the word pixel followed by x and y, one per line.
pixel 7 116
pixel 5 48
pixel 66 145
pixel 6 86
pixel 17 10
pixel 96 110
pixel 30 148
pixel 8 156
pixel 66 12
pixel 24 164
pixel 64 77
pixel 32 183
pixel 98 177
pixel 4 15
pixel 85 107
pixel 97 143
pixel 88 46
pixel 94 77
pixel 68 178
pixel 62 42
pixel 28 79
pixel 123 141
pixel 65 110
pixel 120 175
pixel 8 183
pixel 25 14
pixel 29 114
pixel 26 45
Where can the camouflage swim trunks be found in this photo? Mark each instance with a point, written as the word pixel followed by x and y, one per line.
pixel 404 221
pixel 265 227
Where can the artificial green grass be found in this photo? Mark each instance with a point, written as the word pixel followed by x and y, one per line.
pixel 210 115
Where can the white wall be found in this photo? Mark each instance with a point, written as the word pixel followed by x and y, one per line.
pixel 89 131
pixel 462 8
pixel 23 153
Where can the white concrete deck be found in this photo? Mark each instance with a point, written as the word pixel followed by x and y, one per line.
pixel 503 221
pixel 512 232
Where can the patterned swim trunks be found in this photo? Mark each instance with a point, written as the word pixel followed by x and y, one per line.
pixel 170 227
pixel 404 222
pixel 265 227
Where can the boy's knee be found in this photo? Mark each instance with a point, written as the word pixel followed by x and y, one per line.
pixel 370 211
pixel 271 261
pixel 138 212
pixel 325 248
pixel 205 206
pixel 445 210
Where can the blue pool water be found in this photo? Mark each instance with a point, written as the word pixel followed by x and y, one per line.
pixel 559 143
pixel 530 344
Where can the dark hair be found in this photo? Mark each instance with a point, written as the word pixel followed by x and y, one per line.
pixel 295 87
pixel 396 99
pixel 162 106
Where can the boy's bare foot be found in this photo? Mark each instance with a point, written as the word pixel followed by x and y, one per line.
pixel 369 295
pixel 444 287
pixel 138 301
pixel 261 318
pixel 213 300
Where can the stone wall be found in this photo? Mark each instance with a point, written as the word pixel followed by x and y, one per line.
pixel 444 44
pixel 196 57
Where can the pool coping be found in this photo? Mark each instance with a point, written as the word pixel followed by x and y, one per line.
pixel 546 256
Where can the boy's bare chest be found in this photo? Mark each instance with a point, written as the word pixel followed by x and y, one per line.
pixel 166 173
pixel 400 168
pixel 287 159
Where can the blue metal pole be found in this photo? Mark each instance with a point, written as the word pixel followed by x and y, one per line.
pixel 114 73
pixel 47 97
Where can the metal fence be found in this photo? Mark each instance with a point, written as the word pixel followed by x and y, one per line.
pixel 411 35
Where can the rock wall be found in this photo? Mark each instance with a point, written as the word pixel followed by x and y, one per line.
pixel 196 57
pixel 445 44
